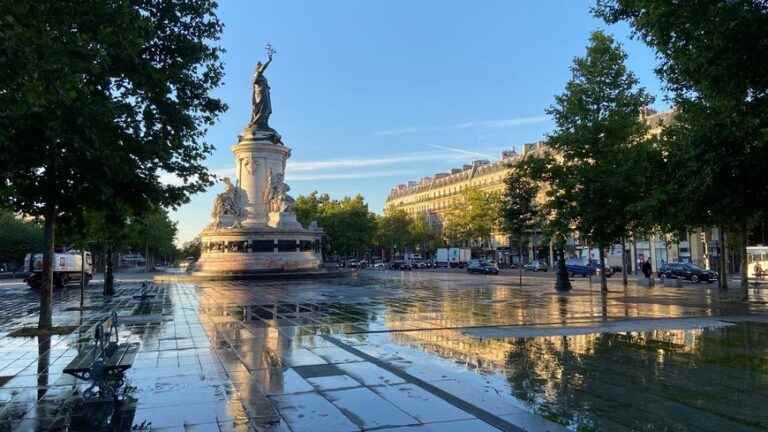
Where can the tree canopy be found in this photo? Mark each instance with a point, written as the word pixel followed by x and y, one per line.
pixel 473 218
pixel 519 212
pixel 713 57
pixel 99 101
pixel 18 237
pixel 590 171
pixel 393 232
pixel 349 224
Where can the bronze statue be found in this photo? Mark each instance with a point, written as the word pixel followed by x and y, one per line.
pixel 260 100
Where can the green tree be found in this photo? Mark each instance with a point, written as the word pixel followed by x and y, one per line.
pixel 192 248
pixel 598 122
pixel 555 209
pixel 456 226
pixel 349 224
pixel 473 218
pixel 393 232
pixel 519 211
pixel 714 59
pixel 99 99
pixel 153 234
pixel 17 238
pixel 310 207
pixel 423 235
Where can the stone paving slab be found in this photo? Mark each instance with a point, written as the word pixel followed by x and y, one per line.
pixel 312 412
pixel 422 405
pixel 367 409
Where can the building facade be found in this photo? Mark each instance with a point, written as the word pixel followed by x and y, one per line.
pixel 434 196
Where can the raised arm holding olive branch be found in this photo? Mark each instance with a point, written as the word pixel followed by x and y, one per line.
pixel 260 100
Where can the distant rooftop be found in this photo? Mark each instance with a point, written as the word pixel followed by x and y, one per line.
pixel 479 166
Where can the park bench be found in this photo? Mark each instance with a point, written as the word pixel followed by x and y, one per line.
pixel 104 364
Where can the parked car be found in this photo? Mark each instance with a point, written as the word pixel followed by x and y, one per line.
pixel 579 267
pixel 585 268
pixel 400 265
pixel 536 266
pixel 379 266
pixel 687 271
pixel 482 266
pixel 357 264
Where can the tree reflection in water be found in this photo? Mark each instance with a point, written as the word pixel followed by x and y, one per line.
pixel 663 380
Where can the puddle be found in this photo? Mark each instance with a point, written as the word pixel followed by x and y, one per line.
pixel 282 313
pixel 710 379
pixel 218 355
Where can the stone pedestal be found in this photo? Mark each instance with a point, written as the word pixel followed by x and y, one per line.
pixel 261 239
pixel 256 156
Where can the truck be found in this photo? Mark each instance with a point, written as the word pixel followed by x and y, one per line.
pixel 67 268
pixel 453 257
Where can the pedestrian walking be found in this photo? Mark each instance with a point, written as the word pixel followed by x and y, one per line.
pixel 647 271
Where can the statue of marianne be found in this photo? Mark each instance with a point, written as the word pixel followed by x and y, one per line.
pixel 260 101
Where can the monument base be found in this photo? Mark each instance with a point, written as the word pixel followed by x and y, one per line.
pixel 255 250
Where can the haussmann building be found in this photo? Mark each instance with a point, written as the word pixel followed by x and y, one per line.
pixel 434 196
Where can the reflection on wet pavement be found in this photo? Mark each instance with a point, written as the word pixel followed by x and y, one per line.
pixel 399 352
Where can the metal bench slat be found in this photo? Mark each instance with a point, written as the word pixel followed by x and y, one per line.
pixel 122 359
pixel 129 354
pixel 123 356
pixel 82 362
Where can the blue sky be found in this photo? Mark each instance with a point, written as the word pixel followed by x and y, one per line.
pixel 372 94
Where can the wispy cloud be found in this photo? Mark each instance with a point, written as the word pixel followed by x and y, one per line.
pixel 303 166
pixel 483 124
pixel 460 151
pixel 332 169
pixel 340 176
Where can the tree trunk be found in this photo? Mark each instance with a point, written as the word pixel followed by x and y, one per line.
pixel 520 269
pixel 43 364
pixel 46 289
pixel 721 269
pixel 82 276
pixel 147 265
pixel 744 261
pixel 109 279
pixel 589 260
pixel 603 278
pixel 562 283
pixel 634 255
pixel 624 261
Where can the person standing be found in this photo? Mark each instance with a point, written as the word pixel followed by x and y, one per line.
pixel 647 269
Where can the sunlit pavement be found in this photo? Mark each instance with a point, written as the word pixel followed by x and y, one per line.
pixel 399 351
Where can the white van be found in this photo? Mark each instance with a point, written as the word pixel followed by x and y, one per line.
pixel 66 268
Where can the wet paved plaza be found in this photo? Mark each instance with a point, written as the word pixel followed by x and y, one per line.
pixel 407 352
